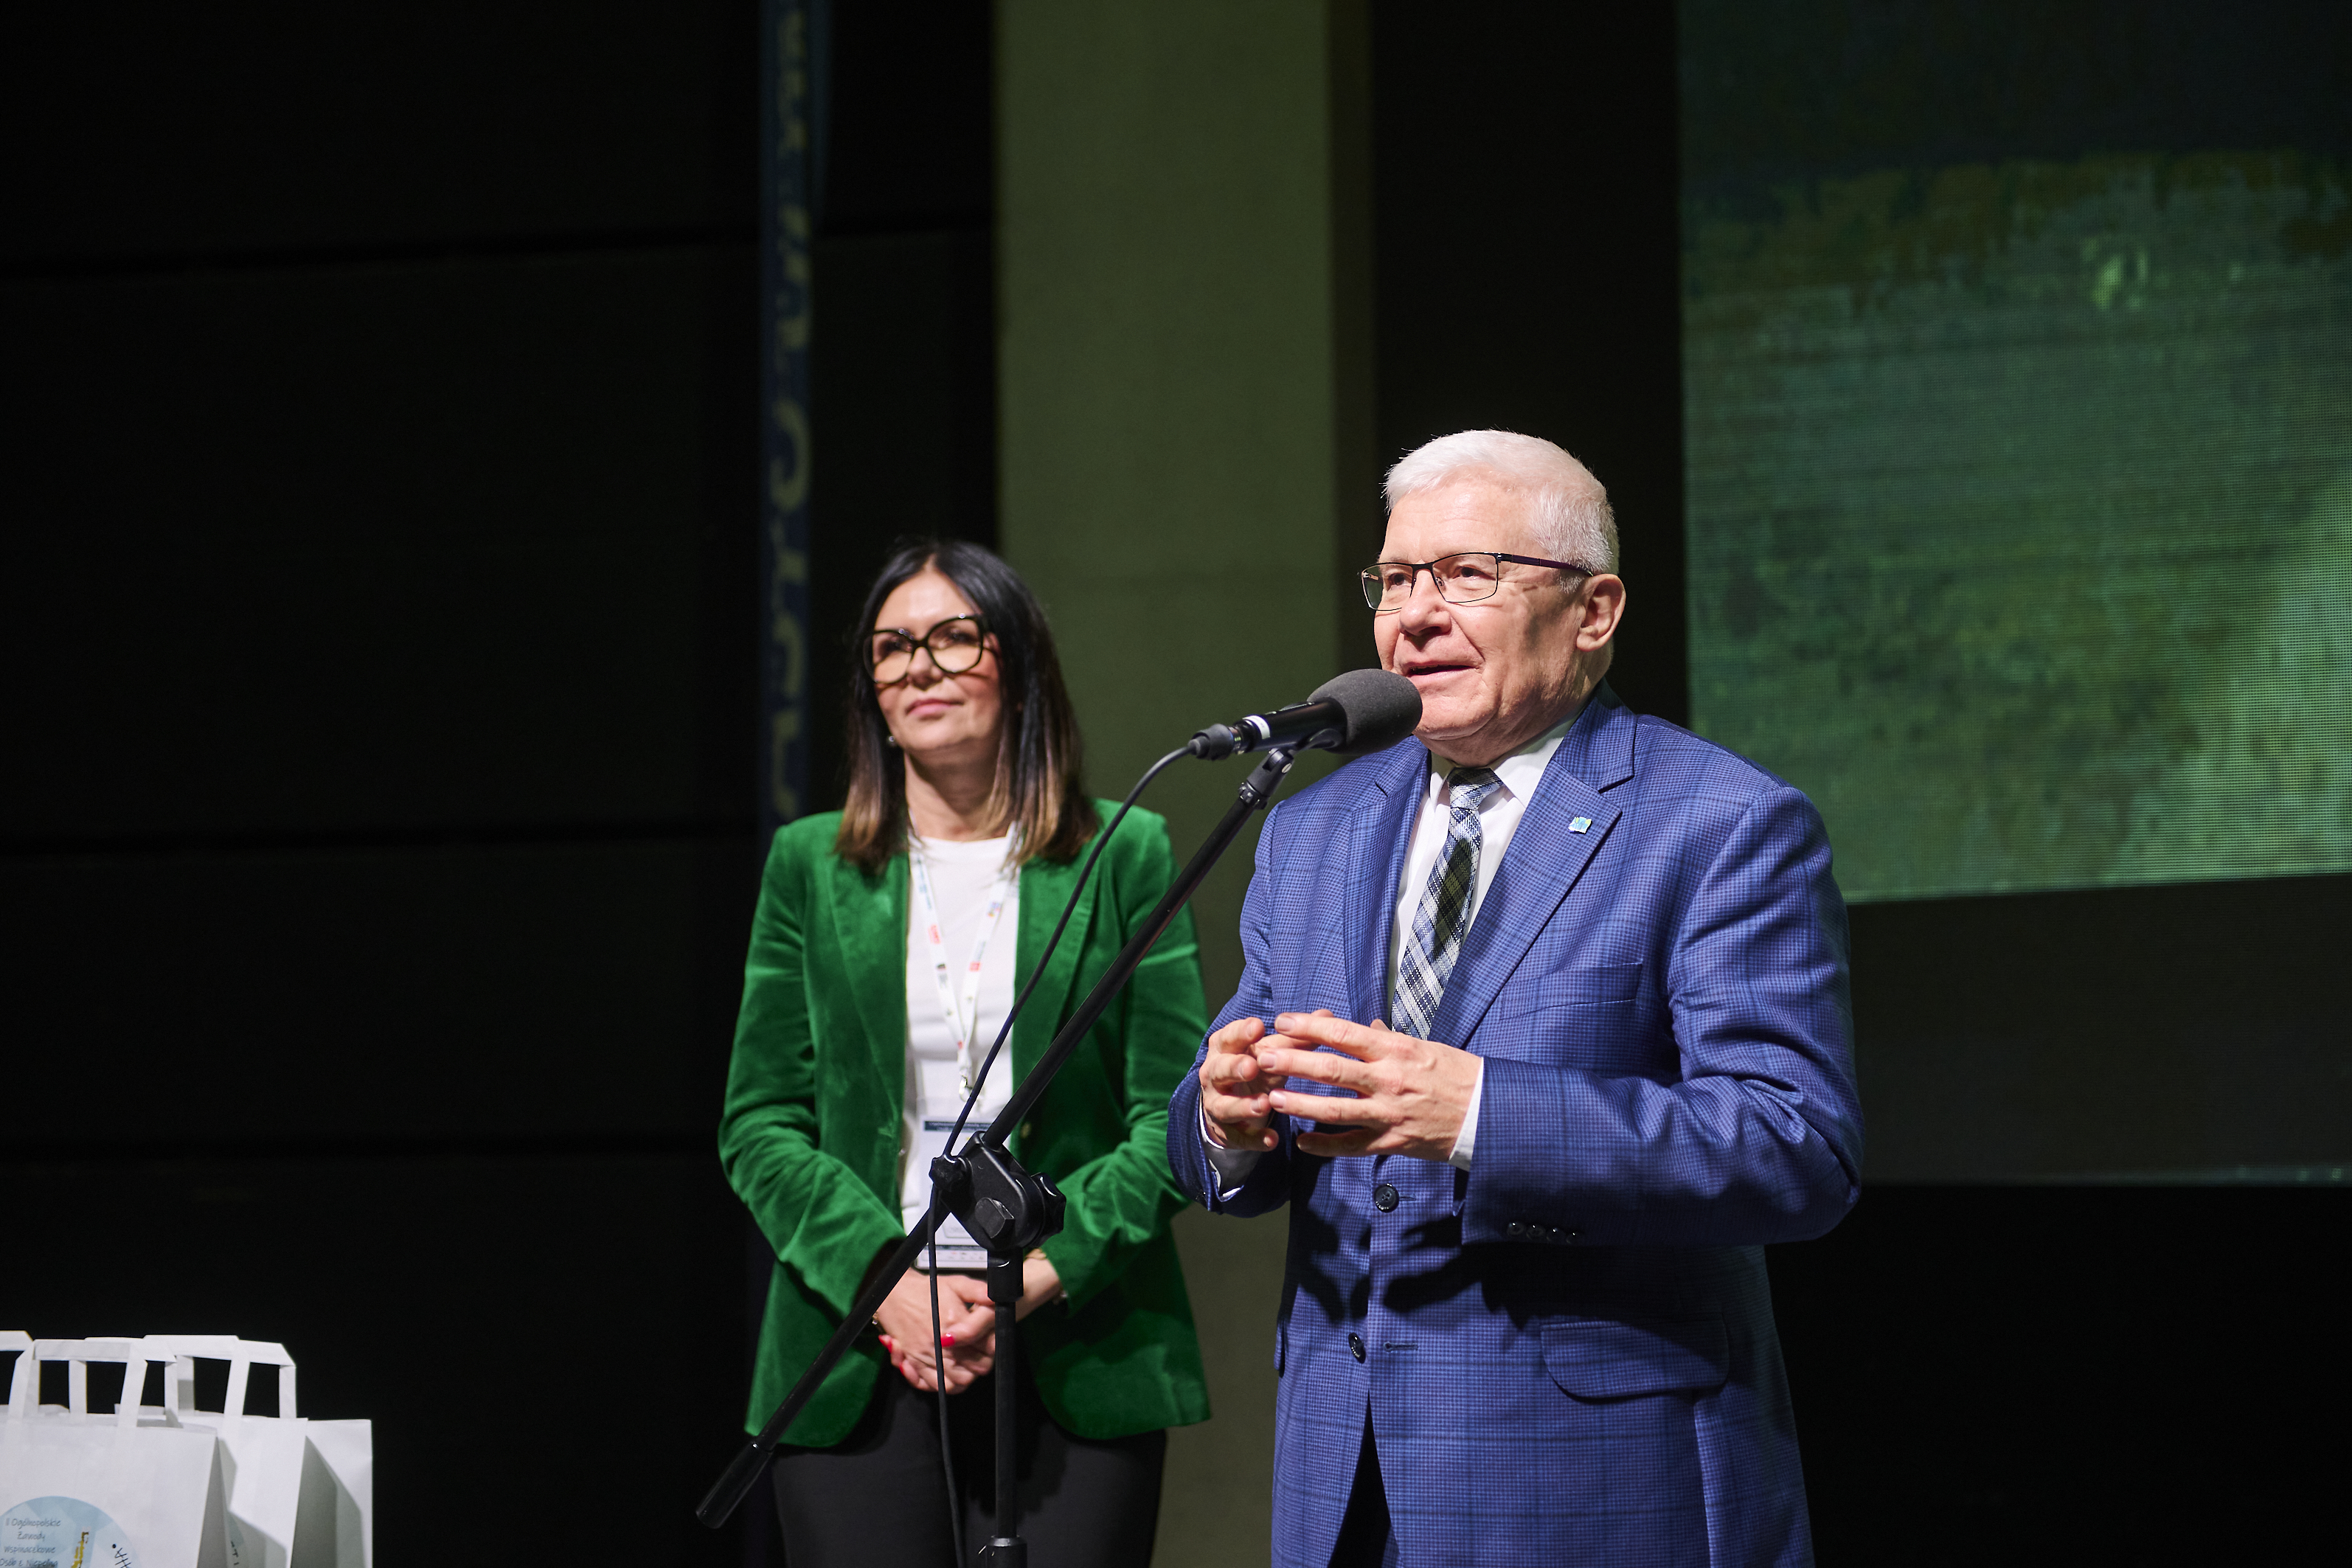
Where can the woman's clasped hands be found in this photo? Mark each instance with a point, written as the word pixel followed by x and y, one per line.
pixel 967 1325
pixel 967 1322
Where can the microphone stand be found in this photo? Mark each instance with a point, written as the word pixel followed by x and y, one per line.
pixel 1008 1210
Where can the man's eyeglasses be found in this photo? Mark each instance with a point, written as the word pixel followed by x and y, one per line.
pixel 1463 579
pixel 955 646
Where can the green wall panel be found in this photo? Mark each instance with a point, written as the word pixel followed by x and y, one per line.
pixel 1171 425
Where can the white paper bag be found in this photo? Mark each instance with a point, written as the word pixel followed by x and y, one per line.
pixel 300 1493
pixel 336 1525
pixel 108 1491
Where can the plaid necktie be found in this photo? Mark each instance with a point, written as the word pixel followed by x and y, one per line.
pixel 1439 922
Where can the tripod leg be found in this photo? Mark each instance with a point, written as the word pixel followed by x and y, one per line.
pixel 1006 1549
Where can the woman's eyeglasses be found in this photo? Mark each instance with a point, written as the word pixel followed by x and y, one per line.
pixel 955 646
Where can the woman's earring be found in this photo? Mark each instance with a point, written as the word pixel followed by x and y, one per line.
pixel 890 740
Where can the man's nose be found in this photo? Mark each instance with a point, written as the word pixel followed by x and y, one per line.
pixel 1424 608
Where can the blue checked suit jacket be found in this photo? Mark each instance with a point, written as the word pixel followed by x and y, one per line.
pixel 1568 1352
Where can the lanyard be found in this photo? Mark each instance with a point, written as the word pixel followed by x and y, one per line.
pixel 962 1011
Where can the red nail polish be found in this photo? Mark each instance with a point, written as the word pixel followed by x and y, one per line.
pixel 948 1340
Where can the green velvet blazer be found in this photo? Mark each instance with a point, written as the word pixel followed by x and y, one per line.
pixel 815 1098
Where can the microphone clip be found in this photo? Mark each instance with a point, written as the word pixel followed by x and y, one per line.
pixel 1219 742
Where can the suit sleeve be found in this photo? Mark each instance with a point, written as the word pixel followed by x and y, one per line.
pixel 824 1223
pixel 1267 1186
pixel 1760 1140
pixel 1122 1199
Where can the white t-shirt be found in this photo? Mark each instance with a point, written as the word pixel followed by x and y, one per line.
pixel 962 873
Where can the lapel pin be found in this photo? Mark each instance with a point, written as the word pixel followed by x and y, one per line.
pixel 1580 824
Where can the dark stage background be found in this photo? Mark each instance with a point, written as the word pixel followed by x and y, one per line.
pixel 380 616
pixel 379 595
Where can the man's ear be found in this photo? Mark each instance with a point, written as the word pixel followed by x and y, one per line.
pixel 1603 608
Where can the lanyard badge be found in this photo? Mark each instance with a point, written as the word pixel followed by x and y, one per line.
pixel 960 1003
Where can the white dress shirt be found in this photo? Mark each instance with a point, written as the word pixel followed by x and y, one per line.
pixel 1499 819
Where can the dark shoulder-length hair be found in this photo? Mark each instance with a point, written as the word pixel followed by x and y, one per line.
pixel 1038 794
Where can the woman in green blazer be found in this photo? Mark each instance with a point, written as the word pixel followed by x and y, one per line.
pixel 889 940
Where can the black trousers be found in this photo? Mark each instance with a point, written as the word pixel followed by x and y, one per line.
pixel 1366 1538
pixel 877 1497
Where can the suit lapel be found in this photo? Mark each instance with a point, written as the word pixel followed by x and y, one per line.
pixel 1043 889
pixel 870 916
pixel 1381 824
pixel 1546 858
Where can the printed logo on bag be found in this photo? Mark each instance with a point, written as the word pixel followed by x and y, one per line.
pixel 62 1533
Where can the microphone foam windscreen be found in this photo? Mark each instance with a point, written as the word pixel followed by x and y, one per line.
pixel 1380 708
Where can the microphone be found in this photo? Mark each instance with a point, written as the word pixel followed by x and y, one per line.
pixel 1359 712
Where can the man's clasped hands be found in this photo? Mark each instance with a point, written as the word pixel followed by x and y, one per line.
pixel 1385 1093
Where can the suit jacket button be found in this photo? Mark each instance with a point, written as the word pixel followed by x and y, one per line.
pixel 1355 1346
pixel 1384 1198
pixel 1515 1230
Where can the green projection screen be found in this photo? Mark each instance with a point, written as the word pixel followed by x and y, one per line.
pixel 2017 355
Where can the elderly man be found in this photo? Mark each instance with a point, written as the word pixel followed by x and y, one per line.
pixel 1543 1031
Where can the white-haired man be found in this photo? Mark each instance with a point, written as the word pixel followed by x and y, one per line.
pixel 1543 1031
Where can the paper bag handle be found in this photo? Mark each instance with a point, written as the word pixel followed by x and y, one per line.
pixel 133 1354
pixel 26 1374
pixel 179 1392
